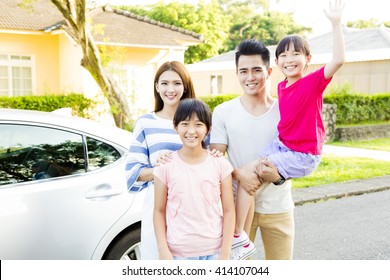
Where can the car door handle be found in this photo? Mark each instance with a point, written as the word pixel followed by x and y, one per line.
pixel 103 191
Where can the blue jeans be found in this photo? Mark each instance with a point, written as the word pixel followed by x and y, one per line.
pixel 201 258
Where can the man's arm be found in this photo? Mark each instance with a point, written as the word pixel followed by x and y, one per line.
pixel 268 171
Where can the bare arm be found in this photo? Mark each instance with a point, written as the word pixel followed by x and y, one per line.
pixel 229 217
pixel 146 174
pixel 159 219
pixel 246 176
pixel 334 14
pixel 267 171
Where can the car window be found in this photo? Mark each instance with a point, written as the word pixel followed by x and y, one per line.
pixel 100 154
pixel 30 153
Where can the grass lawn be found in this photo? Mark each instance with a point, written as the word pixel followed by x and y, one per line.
pixel 382 144
pixel 333 169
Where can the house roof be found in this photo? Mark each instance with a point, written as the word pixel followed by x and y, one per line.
pixel 355 40
pixel 43 15
pixel 360 44
pixel 119 27
pixel 127 28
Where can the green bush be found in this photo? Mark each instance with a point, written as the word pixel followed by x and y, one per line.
pixel 358 108
pixel 352 107
pixel 213 101
pixel 48 103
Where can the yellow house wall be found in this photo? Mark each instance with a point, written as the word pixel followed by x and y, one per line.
pixel 43 50
pixel 57 66
pixel 56 60
pixel 70 70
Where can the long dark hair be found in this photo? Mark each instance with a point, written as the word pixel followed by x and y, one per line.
pixel 180 69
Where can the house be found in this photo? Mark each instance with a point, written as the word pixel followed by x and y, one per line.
pixel 367 67
pixel 38 54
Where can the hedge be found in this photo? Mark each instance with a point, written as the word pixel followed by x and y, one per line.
pixel 360 108
pixel 48 103
pixel 352 108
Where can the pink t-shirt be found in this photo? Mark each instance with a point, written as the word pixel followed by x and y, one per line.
pixel 193 211
pixel 301 128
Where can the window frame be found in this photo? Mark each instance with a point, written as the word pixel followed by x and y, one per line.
pixel 216 83
pixel 9 63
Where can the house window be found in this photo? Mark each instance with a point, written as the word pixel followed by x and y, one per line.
pixel 216 84
pixel 16 75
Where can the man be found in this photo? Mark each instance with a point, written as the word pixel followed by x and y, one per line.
pixel 244 126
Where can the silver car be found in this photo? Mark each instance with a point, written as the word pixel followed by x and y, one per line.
pixel 63 192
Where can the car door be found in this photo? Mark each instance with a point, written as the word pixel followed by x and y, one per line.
pixel 64 214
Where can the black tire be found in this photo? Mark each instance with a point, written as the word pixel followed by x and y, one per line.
pixel 126 246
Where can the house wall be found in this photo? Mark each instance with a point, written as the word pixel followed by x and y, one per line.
pixel 43 49
pixel 70 70
pixel 57 65
pixel 364 77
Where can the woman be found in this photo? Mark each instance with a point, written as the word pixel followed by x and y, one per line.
pixel 154 135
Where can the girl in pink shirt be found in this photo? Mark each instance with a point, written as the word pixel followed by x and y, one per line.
pixel 296 152
pixel 194 207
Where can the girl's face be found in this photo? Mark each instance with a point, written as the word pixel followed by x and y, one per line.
pixel 192 132
pixel 292 63
pixel 170 87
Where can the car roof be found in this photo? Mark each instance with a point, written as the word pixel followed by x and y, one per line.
pixel 82 125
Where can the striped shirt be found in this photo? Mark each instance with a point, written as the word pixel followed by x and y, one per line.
pixel 152 136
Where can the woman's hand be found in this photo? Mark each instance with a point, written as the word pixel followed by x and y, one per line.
pixel 216 153
pixel 164 158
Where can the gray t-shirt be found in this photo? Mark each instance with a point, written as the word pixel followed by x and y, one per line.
pixel 245 136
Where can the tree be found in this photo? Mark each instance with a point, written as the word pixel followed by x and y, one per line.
pixel 207 19
pixel 223 23
pixel 363 24
pixel 253 19
pixel 75 14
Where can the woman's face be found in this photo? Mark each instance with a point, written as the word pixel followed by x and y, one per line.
pixel 170 87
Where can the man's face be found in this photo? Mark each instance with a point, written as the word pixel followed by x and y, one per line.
pixel 252 74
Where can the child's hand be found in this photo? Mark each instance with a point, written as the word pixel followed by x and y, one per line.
pixel 165 255
pixel 224 256
pixel 335 11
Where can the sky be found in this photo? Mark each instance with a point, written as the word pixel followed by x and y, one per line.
pixel 310 12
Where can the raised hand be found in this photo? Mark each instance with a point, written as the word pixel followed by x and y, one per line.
pixel 335 11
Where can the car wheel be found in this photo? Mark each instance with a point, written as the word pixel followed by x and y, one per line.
pixel 126 246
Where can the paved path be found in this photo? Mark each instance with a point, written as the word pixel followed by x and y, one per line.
pixel 338 190
pixel 356 152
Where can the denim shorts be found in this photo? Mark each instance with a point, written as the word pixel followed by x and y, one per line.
pixel 290 164
pixel 201 258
